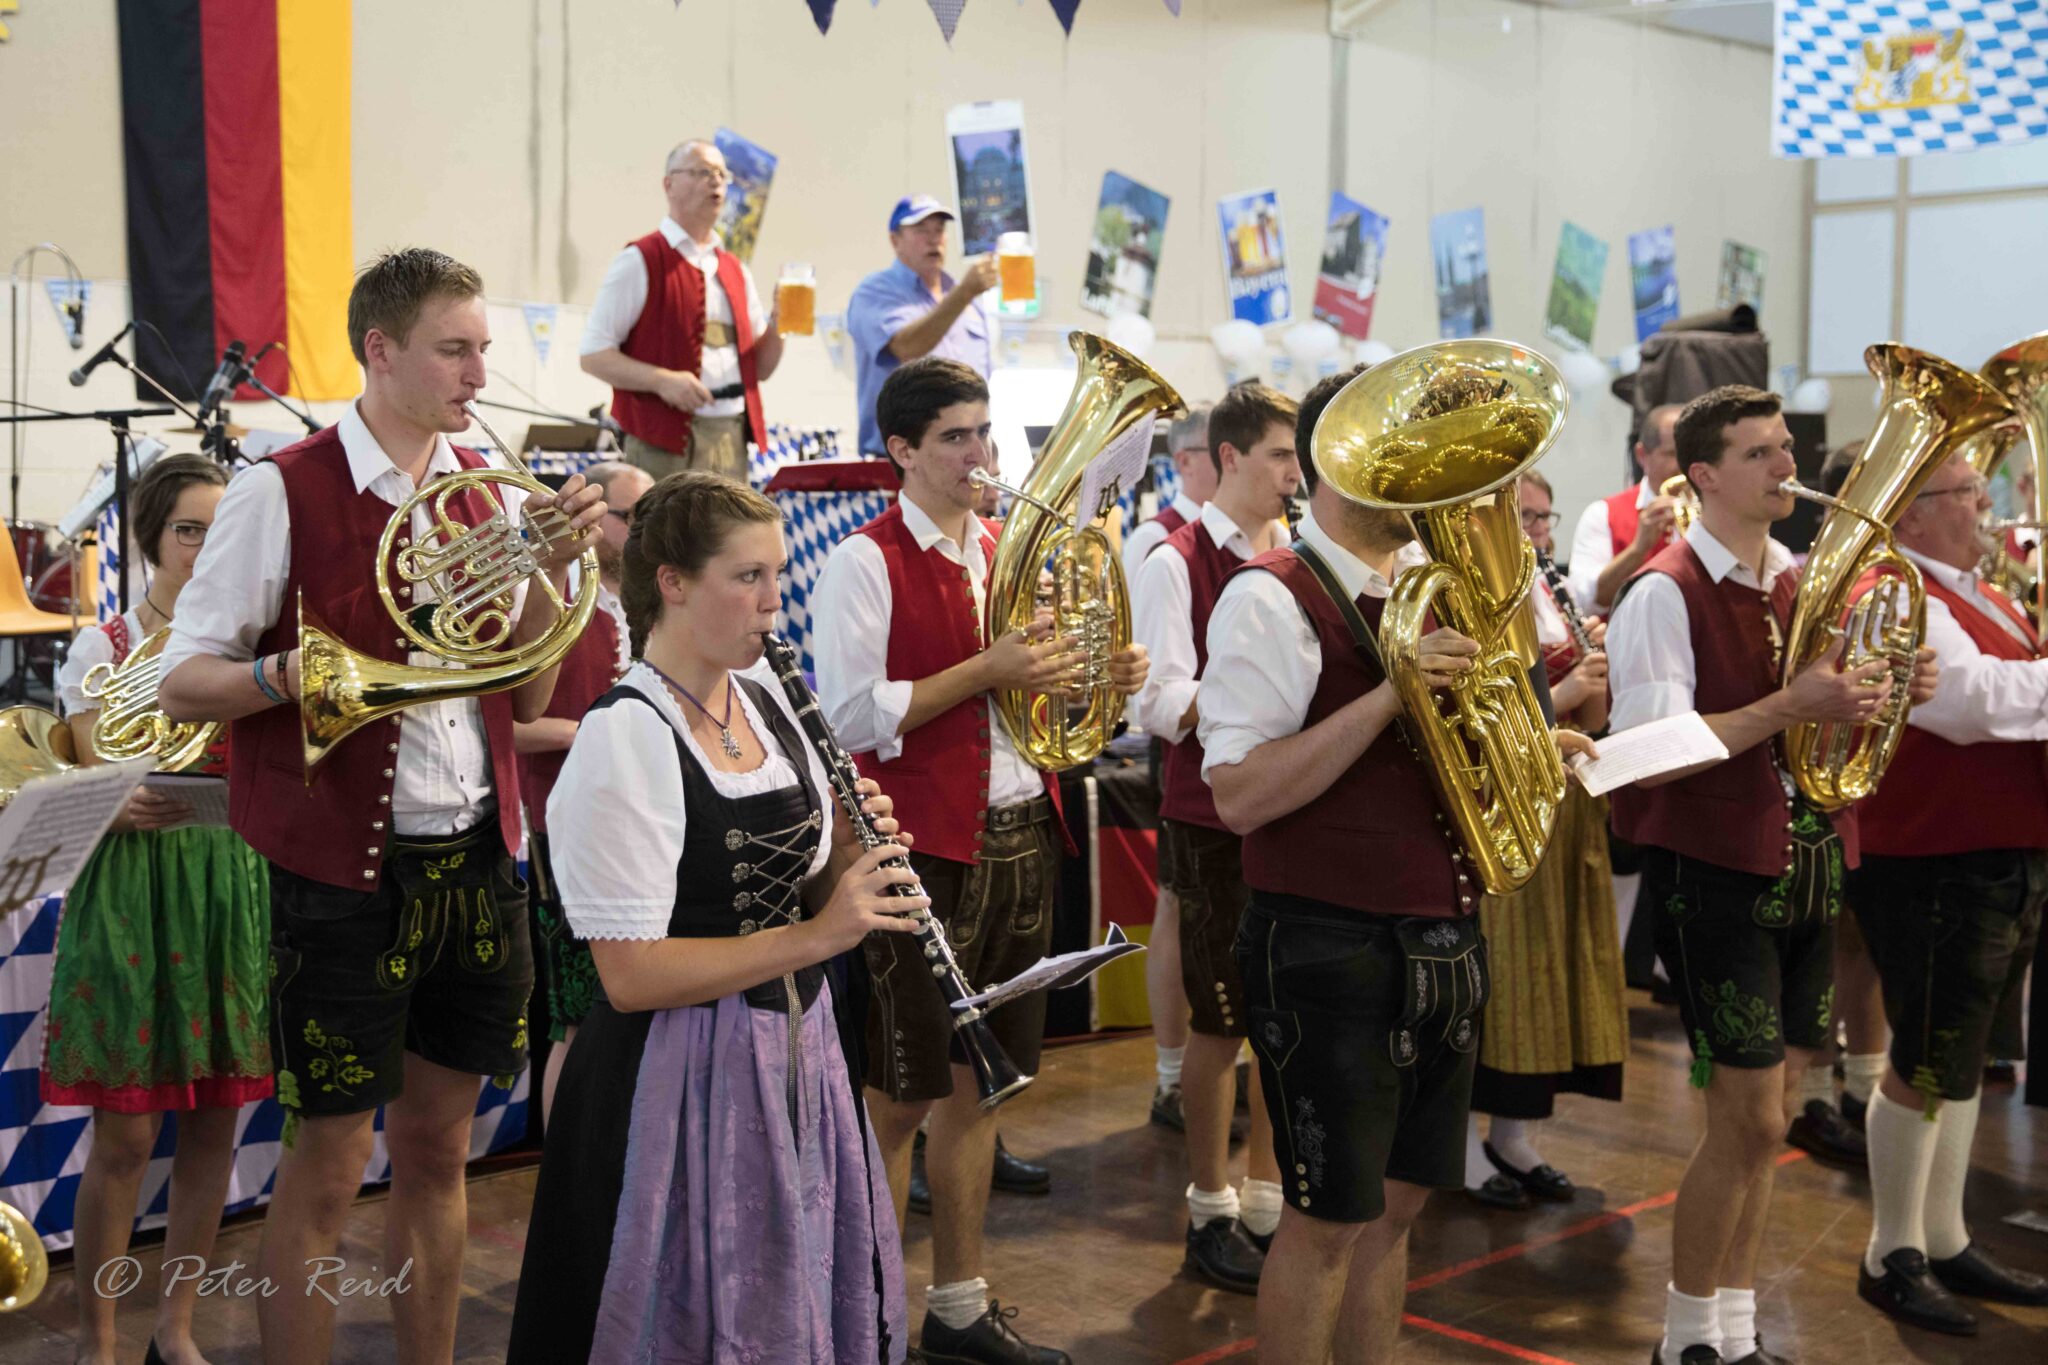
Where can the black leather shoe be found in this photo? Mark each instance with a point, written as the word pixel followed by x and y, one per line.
pixel 1222 1253
pixel 1760 1357
pixel 1500 1192
pixel 1263 1243
pixel 1691 1355
pixel 1855 1112
pixel 1909 1292
pixel 988 1340
pixel 153 1356
pixel 1166 1110
pixel 1975 1273
pixel 1013 1176
pixel 1544 1182
pixel 1823 1134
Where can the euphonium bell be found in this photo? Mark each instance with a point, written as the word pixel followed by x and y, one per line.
pixel 1442 433
pixel 130 723
pixel 1047 532
pixel 464 616
pixel 33 743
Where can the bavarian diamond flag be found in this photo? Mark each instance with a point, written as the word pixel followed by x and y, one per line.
pixel 1912 76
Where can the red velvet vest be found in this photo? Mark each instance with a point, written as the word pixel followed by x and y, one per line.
pixel 1170 519
pixel 335 829
pixel 1183 795
pixel 1377 840
pixel 1736 813
pixel 1939 798
pixel 1623 516
pixel 670 333
pixel 940 780
pixel 587 674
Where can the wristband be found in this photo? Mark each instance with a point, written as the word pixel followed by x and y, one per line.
pixel 264 684
pixel 284 680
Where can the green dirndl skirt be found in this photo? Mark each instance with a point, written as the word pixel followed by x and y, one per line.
pixel 160 995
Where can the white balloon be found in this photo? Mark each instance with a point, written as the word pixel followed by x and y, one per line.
pixel 1372 352
pixel 1311 343
pixel 1239 342
pixel 1583 372
pixel 1811 395
pixel 1134 332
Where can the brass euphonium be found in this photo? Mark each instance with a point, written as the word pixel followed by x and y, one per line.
pixel 1442 433
pixel 130 723
pixel 466 617
pixel 2020 372
pixel 1048 532
pixel 1856 586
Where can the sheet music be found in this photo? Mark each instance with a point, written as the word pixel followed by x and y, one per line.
pixel 1117 469
pixel 205 793
pixel 53 824
pixel 1061 969
pixel 1662 746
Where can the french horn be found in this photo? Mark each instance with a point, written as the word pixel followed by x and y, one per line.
pixel 130 723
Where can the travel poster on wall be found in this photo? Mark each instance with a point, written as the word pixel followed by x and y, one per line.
pixel 1347 282
pixel 1653 276
pixel 1575 283
pixel 746 198
pixel 1457 241
pixel 1123 255
pixel 1742 277
pixel 991 183
pixel 1255 257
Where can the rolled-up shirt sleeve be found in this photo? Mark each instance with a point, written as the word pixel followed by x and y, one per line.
pixel 1264 664
pixel 237 586
pixel 616 823
pixel 1162 620
pixel 1650 668
pixel 851 612
pixel 1980 699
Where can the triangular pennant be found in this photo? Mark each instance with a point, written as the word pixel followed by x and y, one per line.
pixel 947 12
pixel 540 325
pixel 1174 5
pixel 1065 10
pixel 69 298
pixel 821 13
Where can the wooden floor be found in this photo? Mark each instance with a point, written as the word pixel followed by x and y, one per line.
pixel 1095 1265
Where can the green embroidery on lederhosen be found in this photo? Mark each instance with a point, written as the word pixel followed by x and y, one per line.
pixel 1746 1023
pixel 1826 1013
pixel 1812 886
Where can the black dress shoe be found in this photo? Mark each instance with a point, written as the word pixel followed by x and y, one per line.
pixel 1263 1241
pixel 1855 1112
pixel 1221 1252
pixel 1823 1134
pixel 1973 1272
pixel 1543 1182
pixel 1500 1192
pixel 1760 1357
pixel 153 1356
pixel 1691 1355
pixel 988 1340
pixel 1013 1176
pixel 1166 1110
pixel 1909 1292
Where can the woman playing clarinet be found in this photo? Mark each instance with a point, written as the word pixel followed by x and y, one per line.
pixel 709 1189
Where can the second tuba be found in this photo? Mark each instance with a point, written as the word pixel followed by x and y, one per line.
pixel 1856 586
pixel 1442 433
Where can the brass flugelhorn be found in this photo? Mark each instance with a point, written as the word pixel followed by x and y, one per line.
pixel 1442 433
pixel 131 723
pixel 466 616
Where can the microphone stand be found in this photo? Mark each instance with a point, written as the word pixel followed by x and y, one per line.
pixel 118 419
pixel 17 342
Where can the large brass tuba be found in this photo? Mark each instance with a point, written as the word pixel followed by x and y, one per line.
pixel 465 617
pixel 1856 586
pixel 2020 372
pixel 130 723
pixel 1443 433
pixel 1047 531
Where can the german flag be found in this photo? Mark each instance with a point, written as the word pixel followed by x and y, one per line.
pixel 235 123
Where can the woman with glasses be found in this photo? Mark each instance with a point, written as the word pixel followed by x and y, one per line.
pixel 1555 1023
pixel 159 994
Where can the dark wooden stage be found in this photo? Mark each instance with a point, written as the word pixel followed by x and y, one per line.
pixel 1095 1265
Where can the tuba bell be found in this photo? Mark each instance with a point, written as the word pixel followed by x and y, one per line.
pixel 466 617
pixel 1442 433
pixel 2020 372
pixel 130 723
pixel 1856 586
pixel 1048 532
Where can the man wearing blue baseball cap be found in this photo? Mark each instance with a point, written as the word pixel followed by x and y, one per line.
pixel 914 308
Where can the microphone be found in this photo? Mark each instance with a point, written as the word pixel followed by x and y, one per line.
pixel 74 309
pixel 227 377
pixel 99 357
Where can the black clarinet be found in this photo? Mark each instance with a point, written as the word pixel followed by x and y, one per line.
pixel 1561 593
pixel 996 1077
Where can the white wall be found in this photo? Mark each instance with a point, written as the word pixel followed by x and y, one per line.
pixel 526 136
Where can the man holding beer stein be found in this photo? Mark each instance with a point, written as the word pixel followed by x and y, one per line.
pixel 914 308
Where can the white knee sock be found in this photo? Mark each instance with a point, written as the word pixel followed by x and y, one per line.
pixel 1816 1083
pixel 1169 1065
pixel 1738 1323
pixel 1861 1071
pixel 1901 1153
pixel 1477 1167
pixel 1206 1206
pixel 957 1305
pixel 1955 1131
pixel 1259 1206
pixel 1689 1322
pixel 1514 1139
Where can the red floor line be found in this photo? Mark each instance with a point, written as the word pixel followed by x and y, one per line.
pixel 1507 1253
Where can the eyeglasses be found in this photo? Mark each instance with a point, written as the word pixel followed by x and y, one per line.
pixel 710 175
pixel 189 533
pixel 1975 488
pixel 1532 518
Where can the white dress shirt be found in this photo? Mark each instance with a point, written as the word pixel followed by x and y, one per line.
pixel 1650 666
pixel 1148 536
pixel 617 816
pixel 624 293
pixel 237 592
pixel 1264 657
pixel 850 611
pixel 1162 620
pixel 1551 629
pixel 1593 547
pixel 1980 698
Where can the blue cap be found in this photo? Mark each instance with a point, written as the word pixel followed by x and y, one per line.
pixel 915 208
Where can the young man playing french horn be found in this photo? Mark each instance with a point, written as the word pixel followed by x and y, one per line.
pixel 400 963
pixel 1742 872
pixel 1355 873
